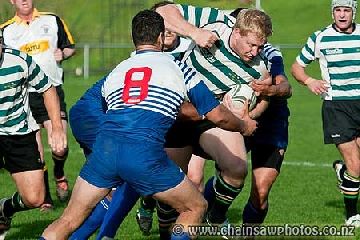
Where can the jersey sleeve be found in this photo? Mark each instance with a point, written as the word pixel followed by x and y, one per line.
pixel 275 59
pixel 199 16
pixel 307 54
pixel 36 77
pixel 65 39
pixel 198 93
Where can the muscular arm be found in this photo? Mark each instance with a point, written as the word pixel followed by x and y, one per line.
pixel 225 119
pixel 175 22
pixel 188 112
pixel 58 138
pixel 314 85
pixel 281 88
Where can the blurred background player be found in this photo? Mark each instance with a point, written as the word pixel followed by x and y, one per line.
pixel 46 38
pixel 336 48
pixel 18 147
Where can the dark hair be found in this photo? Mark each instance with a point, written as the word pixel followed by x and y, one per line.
pixel 236 12
pixel 160 4
pixel 146 27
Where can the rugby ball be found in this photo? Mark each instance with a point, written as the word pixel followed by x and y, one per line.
pixel 240 93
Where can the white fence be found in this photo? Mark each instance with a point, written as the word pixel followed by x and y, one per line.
pixel 86 48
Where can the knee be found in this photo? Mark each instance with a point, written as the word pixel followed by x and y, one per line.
pixel 200 206
pixel 259 197
pixel 33 199
pixel 235 174
pixel 197 180
pixel 62 155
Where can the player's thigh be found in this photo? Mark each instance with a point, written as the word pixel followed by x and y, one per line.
pixel 30 185
pixel 225 147
pixel 178 197
pixel 83 199
pixel 181 156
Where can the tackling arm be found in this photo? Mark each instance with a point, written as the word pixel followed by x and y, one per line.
pixel 225 119
pixel 175 22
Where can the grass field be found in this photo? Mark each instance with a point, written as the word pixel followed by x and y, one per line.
pixel 305 192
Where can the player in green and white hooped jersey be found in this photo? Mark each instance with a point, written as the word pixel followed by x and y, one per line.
pixel 18 147
pixel 336 47
pixel 234 59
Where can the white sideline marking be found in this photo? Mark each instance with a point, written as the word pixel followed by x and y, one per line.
pixel 308 164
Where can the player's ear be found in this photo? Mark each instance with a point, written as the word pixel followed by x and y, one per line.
pixel 161 40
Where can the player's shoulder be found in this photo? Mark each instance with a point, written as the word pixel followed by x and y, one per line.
pixel 325 31
pixel 51 14
pixel 18 57
pixel 7 23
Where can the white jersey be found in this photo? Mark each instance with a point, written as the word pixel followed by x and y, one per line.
pixel 221 67
pixel 339 59
pixel 40 38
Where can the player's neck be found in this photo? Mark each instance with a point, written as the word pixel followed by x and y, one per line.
pixel 26 18
pixel 148 47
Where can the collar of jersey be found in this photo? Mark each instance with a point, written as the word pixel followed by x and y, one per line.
pixel 35 14
pixel 145 51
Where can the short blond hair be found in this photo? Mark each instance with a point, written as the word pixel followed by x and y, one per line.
pixel 254 21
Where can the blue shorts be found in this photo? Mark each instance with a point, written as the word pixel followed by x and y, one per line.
pixel 144 166
pixel 84 126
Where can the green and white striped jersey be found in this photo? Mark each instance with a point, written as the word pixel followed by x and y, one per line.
pixel 18 72
pixel 339 59
pixel 199 17
pixel 220 67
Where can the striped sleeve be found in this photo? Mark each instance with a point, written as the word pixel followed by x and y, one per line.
pixel 36 77
pixel 199 17
pixel 198 93
pixel 275 59
pixel 307 54
pixel 65 39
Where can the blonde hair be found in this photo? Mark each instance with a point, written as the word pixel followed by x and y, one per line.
pixel 254 21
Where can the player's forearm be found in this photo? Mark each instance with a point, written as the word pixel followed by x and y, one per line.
pixel 52 104
pixel 223 118
pixel 175 22
pixel 261 106
pixel 299 74
pixel 68 52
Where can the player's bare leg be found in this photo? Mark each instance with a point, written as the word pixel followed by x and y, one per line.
pixel 228 150
pixel 62 186
pixel 196 171
pixel 83 199
pixel 190 212
pixel 350 180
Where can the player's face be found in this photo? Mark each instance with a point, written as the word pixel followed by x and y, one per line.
pixel 170 39
pixel 247 47
pixel 23 7
pixel 343 19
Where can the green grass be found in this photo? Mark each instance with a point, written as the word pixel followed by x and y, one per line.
pixel 305 192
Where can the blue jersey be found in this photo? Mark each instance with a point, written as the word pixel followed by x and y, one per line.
pixel 85 116
pixel 144 94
